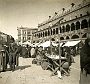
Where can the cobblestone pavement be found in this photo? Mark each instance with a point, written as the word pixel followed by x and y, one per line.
pixel 28 73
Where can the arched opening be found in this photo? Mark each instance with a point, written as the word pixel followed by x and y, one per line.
pixel 63 28
pixel 61 38
pixel 72 26
pixel 48 32
pixel 84 24
pixel 84 36
pixel 41 34
pixel 45 33
pixel 67 27
pixel 60 29
pixel 74 37
pixel 77 25
pixel 56 30
pixel 37 35
pixel 53 31
pixel 67 37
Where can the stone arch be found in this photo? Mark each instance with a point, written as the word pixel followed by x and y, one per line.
pixel 74 37
pixel 72 26
pixel 84 24
pixel 67 27
pixel 77 25
pixel 61 38
pixel 67 37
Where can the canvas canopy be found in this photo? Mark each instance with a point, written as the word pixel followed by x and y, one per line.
pixel 71 43
pixel 26 43
pixel 47 44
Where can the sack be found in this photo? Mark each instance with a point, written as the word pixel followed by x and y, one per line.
pixel 44 65
pixel 34 61
pixel 65 65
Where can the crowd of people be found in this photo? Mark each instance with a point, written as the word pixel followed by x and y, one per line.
pixel 9 54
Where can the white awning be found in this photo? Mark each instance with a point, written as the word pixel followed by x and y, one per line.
pixel 71 43
pixel 26 43
pixel 47 44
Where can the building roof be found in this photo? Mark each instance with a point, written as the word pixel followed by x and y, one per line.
pixel 27 28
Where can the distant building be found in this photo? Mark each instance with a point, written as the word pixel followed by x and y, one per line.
pixel 25 34
pixel 5 38
pixel 70 24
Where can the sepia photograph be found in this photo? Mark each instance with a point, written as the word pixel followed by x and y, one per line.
pixel 44 41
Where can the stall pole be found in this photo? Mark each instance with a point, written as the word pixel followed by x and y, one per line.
pixel 50 25
pixel 59 48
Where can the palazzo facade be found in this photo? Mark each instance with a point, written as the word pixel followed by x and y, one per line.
pixel 71 24
pixel 25 34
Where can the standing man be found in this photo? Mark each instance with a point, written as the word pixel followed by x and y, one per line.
pixel 1 57
pixel 85 61
pixel 12 58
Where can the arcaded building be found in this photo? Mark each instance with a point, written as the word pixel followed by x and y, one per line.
pixel 25 34
pixel 70 24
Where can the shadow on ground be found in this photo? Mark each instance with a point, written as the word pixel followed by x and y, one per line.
pixel 22 67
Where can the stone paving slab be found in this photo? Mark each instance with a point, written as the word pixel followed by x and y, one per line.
pixel 28 73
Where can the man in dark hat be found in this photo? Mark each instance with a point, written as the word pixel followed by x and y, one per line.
pixel 85 61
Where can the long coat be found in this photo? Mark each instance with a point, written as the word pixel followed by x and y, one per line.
pixel 84 61
pixel 85 54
